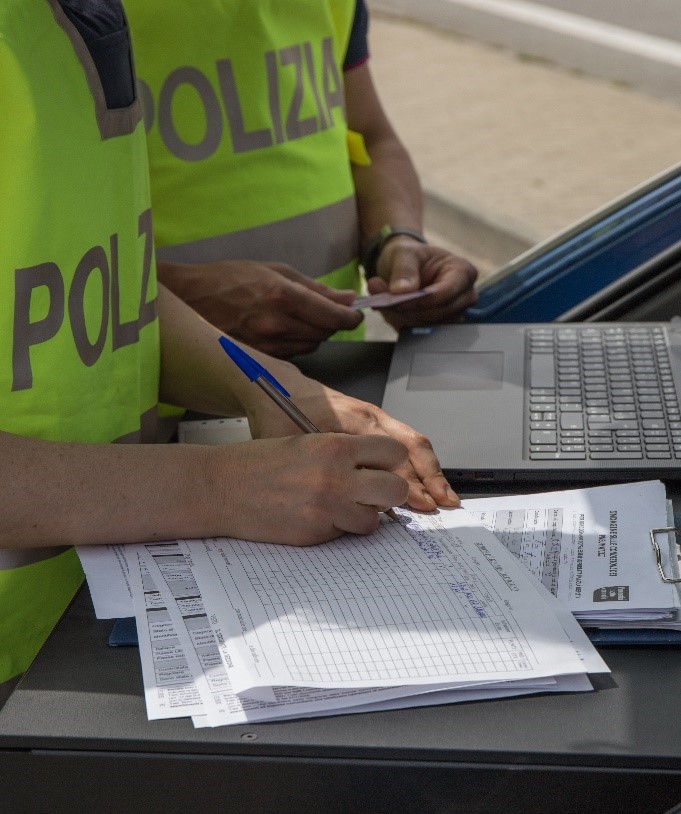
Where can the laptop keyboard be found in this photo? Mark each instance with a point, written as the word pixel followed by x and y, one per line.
pixel 601 394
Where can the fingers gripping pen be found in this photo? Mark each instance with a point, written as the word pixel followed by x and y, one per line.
pixel 274 389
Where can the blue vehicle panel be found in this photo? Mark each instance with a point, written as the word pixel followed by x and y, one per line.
pixel 547 281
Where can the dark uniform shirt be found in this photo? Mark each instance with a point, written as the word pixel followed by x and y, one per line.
pixel 358 47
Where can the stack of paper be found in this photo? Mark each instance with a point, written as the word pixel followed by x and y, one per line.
pixel 591 548
pixel 429 610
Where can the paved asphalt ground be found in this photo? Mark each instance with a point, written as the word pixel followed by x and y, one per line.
pixel 520 141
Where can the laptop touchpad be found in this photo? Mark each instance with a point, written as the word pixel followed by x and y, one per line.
pixel 456 371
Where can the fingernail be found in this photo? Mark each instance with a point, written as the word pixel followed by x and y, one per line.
pixel 429 500
pixel 397 286
pixel 452 495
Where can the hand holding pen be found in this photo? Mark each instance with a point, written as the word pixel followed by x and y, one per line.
pixel 266 381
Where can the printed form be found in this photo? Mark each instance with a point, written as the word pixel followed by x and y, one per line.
pixel 188 666
pixel 431 600
pixel 106 571
pixel 173 686
pixel 184 674
pixel 591 547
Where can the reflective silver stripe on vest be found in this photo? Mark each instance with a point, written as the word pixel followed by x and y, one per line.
pixel 17 557
pixel 314 243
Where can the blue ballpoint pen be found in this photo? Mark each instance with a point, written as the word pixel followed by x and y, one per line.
pixel 274 389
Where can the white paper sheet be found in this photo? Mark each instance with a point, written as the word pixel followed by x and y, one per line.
pixel 436 599
pixel 170 687
pixel 175 629
pixel 106 571
pixel 185 674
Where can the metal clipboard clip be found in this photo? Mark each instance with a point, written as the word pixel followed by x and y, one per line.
pixel 656 548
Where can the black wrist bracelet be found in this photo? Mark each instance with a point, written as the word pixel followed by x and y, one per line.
pixel 375 246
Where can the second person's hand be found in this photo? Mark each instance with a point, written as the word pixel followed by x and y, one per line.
pixel 269 306
pixel 407 265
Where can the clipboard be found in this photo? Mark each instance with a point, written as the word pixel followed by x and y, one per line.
pixel 623 637
pixel 658 554
pixel 634 637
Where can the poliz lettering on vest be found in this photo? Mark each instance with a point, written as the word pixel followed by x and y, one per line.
pixel 95 260
pixel 295 63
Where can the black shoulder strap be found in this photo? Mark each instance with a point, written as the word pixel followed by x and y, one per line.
pixel 103 27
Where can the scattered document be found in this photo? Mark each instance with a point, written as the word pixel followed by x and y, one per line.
pixel 172 688
pixel 107 573
pixel 184 673
pixel 433 599
pixel 591 548
pixel 457 605
pixel 430 610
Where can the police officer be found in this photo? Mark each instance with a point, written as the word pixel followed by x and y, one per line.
pixel 273 162
pixel 90 343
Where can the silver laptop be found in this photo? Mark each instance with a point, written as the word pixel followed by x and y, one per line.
pixel 530 402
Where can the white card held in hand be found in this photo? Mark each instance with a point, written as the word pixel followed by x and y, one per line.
pixel 386 299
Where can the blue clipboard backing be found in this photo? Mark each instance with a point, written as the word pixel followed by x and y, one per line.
pixel 124 634
pixel 632 637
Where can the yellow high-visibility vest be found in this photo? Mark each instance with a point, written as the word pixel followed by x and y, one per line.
pixel 245 116
pixel 78 285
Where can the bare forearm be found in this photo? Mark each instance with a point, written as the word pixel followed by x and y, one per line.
pixel 389 193
pixel 74 494
pixel 194 370
pixel 314 488
pixel 388 190
pixel 270 306
pixel 196 373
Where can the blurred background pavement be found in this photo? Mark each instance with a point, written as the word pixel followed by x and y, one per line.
pixel 523 118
